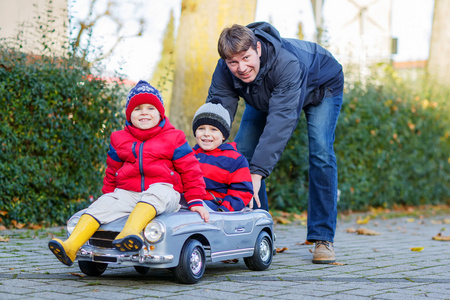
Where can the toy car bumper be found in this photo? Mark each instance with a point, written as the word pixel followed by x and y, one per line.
pixel 95 254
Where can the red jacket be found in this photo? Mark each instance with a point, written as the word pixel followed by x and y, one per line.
pixel 227 176
pixel 138 158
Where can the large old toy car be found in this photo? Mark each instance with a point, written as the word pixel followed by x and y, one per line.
pixel 183 243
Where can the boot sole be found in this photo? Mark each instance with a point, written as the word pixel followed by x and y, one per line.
pixel 58 250
pixel 131 243
pixel 323 261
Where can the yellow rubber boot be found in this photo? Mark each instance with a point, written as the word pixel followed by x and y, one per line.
pixel 129 239
pixel 66 251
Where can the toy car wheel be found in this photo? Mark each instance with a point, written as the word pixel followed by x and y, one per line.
pixel 141 270
pixel 92 268
pixel 191 267
pixel 262 257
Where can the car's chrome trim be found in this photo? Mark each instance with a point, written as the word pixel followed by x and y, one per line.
pixel 239 252
pixel 114 256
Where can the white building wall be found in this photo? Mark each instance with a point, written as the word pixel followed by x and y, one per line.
pixel 22 18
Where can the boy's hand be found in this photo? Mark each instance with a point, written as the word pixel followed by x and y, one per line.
pixel 202 211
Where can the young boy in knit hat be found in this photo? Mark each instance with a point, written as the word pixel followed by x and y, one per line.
pixel 225 170
pixel 149 164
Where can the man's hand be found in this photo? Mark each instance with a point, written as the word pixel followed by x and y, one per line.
pixel 202 211
pixel 256 180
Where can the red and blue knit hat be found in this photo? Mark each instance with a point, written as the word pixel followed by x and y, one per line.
pixel 144 93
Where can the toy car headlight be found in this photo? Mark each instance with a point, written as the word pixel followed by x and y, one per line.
pixel 72 223
pixel 154 231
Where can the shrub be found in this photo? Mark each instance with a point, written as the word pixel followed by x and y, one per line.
pixel 55 124
pixel 392 147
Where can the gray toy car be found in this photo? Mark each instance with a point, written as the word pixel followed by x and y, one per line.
pixel 183 243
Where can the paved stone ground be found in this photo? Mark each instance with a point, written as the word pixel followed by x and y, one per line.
pixel 370 267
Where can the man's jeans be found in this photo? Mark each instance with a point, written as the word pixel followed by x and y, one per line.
pixel 321 124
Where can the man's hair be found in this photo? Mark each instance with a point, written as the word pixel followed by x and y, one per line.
pixel 234 40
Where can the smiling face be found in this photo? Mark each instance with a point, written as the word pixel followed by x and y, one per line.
pixel 245 65
pixel 145 116
pixel 208 137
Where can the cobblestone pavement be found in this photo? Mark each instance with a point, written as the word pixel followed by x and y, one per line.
pixel 375 267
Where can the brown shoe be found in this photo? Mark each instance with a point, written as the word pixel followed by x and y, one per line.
pixel 324 253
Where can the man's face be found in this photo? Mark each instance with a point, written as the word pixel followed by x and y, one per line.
pixel 245 65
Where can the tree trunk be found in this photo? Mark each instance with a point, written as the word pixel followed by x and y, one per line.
pixel 163 75
pixel 196 54
pixel 438 63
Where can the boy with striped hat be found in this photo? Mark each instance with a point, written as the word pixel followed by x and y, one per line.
pixel 225 170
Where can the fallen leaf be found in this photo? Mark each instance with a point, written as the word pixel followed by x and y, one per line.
pixel 410 220
pixel 305 243
pixel 281 220
pixel 375 250
pixel 361 221
pixel 17 225
pixel 366 231
pixel 4 239
pixel 311 250
pixel 446 221
pixel 351 230
pixel 77 274
pixel 231 261
pixel 301 217
pixel 12 268
pixel 34 226
pixel 337 264
pixel 2 227
pixel 418 249
pixel 281 250
pixel 440 237
pixel 435 222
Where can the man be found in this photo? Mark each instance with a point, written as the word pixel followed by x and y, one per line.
pixel 277 78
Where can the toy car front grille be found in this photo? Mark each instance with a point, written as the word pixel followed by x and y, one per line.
pixel 103 239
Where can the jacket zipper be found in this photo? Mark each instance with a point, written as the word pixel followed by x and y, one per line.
pixel 141 167
pixel 133 149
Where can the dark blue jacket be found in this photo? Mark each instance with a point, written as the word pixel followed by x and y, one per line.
pixel 293 74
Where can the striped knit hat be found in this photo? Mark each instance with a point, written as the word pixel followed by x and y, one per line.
pixel 213 113
pixel 144 93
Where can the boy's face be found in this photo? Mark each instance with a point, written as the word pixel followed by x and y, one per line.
pixel 208 137
pixel 245 65
pixel 145 116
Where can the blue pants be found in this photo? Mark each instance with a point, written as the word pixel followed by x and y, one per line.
pixel 321 125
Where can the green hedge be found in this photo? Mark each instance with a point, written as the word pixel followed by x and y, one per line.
pixel 392 142
pixel 392 146
pixel 55 121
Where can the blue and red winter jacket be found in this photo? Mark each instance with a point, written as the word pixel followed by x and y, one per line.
pixel 227 176
pixel 138 158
